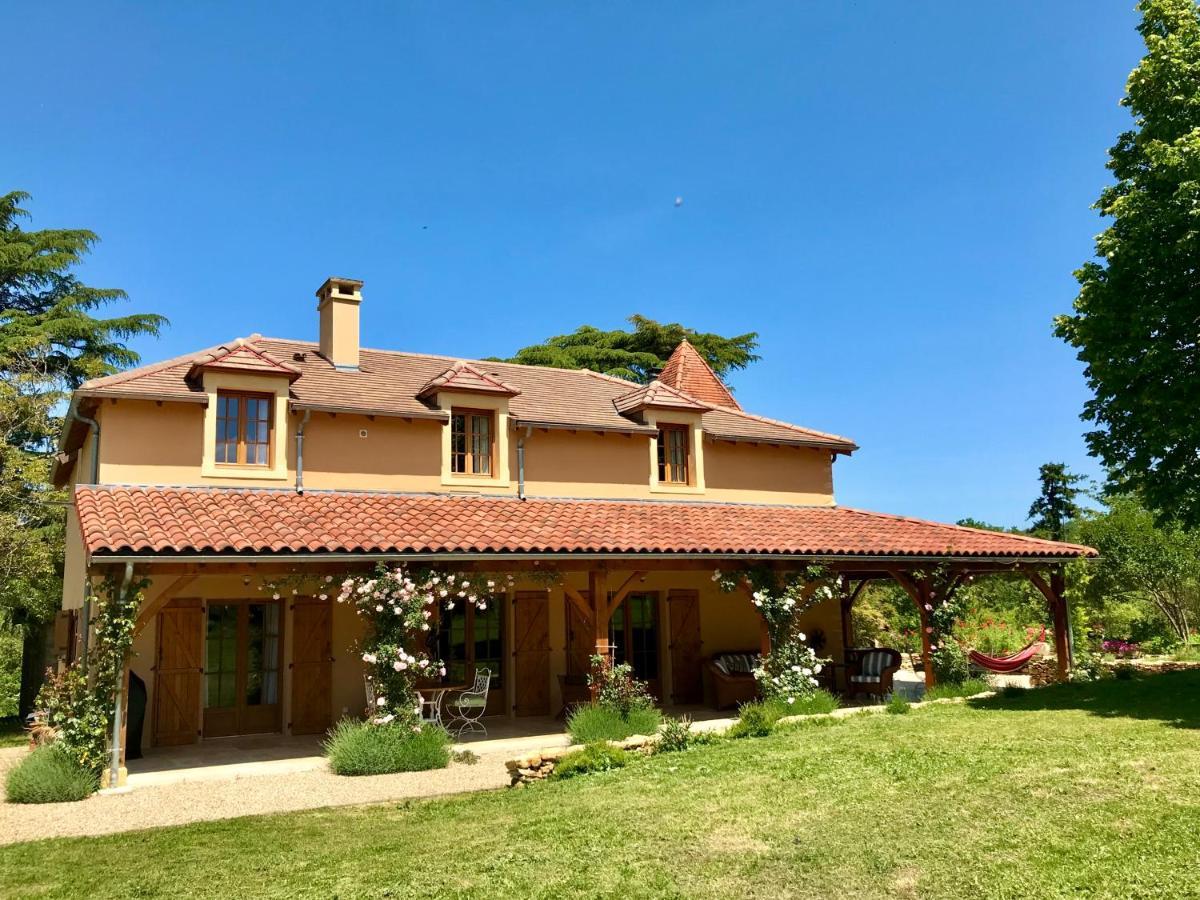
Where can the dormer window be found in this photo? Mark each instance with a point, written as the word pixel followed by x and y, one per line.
pixel 244 423
pixel 472 442
pixel 673 453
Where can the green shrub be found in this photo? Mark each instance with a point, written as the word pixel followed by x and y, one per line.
pixel 898 705
pixel 1188 653
pixel 596 722
pixel 359 748
pixel 49 775
pixel 967 688
pixel 758 719
pixel 820 701
pixel 1123 670
pixel 677 735
pixel 950 663
pixel 466 757
pixel 596 757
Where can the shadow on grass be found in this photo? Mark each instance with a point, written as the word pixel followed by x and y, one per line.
pixel 1171 697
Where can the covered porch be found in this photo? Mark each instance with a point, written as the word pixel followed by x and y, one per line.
pixel 239 634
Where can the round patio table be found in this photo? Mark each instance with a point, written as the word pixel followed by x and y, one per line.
pixel 432 696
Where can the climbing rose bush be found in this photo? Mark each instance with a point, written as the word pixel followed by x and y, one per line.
pixel 398 605
pixel 790 672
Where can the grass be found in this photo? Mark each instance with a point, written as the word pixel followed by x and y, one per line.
pixel 592 723
pixel 898 705
pixel 592 758
pixel 1078 790
pixel 356 748
pixel 48 775
pixel 968 688
pixel 12 732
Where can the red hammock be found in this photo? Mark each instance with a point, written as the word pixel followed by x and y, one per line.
pixel 1006 664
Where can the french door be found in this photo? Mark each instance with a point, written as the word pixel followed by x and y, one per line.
pixel 243 652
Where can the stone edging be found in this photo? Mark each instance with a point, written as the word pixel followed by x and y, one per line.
pixel 539 765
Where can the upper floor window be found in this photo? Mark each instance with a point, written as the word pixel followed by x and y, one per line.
pixel 472 442
pixel 673 454
pixel 243 429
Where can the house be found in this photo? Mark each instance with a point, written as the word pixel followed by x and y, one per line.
pixel 225 475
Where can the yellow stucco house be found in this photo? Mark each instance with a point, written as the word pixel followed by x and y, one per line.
pixel 611 503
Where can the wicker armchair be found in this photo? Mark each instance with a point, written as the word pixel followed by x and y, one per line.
pixel 729 679
pixel 870 671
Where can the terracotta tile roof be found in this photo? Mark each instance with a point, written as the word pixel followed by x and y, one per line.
pixel 686 370
pixel 242 356
pixel 122 519
pixel 656 395
pixel 387 384
pixel 464 377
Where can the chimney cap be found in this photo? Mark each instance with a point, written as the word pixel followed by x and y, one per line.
pixel 344 286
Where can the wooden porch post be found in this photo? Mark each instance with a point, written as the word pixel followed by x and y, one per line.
pixel 598 600
pixel 1054 590
pixel 921 594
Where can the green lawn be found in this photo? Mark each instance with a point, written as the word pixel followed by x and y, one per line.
pixel 1080 790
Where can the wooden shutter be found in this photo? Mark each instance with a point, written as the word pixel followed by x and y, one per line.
pixel 686 646
pixel 531 653
pixel 312 665
pixel 177 672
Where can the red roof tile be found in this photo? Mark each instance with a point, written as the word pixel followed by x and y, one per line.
pixel 186 520
pixel 686 370
pixel 242 356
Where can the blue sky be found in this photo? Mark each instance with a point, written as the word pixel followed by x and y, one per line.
pixel 893 194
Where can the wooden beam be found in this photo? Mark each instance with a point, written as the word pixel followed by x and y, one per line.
pixel 579 602
pixel 623 591
pixel 147 613
pixel 1054 590
pixel 919 592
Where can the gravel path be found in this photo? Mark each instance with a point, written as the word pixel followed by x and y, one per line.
pixel 198 801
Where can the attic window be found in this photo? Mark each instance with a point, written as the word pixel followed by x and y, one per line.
pixel 472 442
pixel 243 429
pixel 673 452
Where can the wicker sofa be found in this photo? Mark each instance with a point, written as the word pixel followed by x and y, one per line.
pixel 729 679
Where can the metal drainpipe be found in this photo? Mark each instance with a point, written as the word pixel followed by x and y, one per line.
pixel 114 771
pixel 95 427
pixel 300 452
pixel 521 462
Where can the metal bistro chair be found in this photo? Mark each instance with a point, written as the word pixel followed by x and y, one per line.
pixel 467 707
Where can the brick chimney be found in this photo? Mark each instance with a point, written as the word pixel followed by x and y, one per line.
pixel 337 305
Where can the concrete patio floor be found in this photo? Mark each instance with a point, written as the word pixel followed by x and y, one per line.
pixel 224 759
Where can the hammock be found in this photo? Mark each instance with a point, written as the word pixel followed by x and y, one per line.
pixel 1006 664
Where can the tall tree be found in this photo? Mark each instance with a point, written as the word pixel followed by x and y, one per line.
pixel 1144 561
pixel 638 354
pixel 50 342
pixel 1136 317
pixel 1055 507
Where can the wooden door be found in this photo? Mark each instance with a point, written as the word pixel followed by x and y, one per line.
pixel 243 650
pixel 531 653
pixel 581 642
pixel 686 647
pixel 312 665
pixel 178 668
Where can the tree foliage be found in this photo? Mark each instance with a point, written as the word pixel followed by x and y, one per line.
pixel 1145 561
pixel 1135 320
pixel 1055 508
pixel 638 355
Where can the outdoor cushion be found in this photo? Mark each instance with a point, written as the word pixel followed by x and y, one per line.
pixel 873 664
pixel 470 701
pixel 865 679
pixel 719 664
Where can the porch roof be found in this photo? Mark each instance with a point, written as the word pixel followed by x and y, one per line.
pixel 190 521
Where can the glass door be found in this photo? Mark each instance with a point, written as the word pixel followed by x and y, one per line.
pixel 242 658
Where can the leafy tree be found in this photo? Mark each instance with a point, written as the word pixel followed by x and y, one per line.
pixel 1136 315
pixel 1141 560
pixel 1055 507
pixel 49 343
pixel 638 354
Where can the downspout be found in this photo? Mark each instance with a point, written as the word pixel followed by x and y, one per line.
pixel 95 428
pixel 300 452
pixel 521 462
pixel 114 772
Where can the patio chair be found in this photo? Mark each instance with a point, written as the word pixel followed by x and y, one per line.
pixel 467 707
pixel 871 671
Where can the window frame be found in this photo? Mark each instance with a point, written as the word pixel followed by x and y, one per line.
pixel 470 640
pixel 624 650
pixel 241 444
pixel 665 466
pixel 468 433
